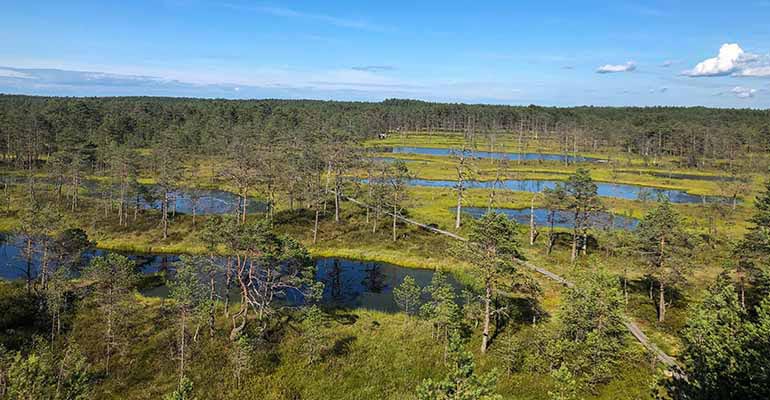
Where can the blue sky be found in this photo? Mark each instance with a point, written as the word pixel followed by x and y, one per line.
pixel 559 53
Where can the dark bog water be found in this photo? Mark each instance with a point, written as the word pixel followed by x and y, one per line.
pixel 181 200
pixel 433 151
pixel 206 202
pixel 617 190
pixel 347 283
pixel 561 219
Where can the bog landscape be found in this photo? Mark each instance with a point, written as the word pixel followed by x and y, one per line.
pixel 195 245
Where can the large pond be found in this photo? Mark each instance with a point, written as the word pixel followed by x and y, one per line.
pixel 434 151
pixel 561 219
pixel 616 190
pixel 347 283
pixel 206 201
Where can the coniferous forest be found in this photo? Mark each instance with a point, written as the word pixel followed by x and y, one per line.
pixel 183 248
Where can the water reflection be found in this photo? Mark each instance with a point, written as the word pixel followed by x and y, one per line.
pixel 617 190
pixel 675 175
pixel 181 200
pixel 561 219
pixel 347 283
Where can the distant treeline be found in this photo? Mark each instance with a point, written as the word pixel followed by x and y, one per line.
pixel 31 127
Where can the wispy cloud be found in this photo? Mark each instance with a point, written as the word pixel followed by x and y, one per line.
pixel 344 83
pixel 325 79
pixel 667 63
pixel 613 68
pixel 13 73
pixel 42 76
pixel 743 92
pixel 374 68
pixel 284 12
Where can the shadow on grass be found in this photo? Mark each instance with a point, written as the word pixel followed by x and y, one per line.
pixel 340 347
pixel 342 316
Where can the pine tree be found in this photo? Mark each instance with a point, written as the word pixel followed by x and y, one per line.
pixel 407 296
pixel 441 307
pixel 713 340
pixel 666 248
pixel 592 331
pixel 189 294
pixel 491 249
pixel 113 278
pixel 566 385
pixel 582 199
pixel 313 335
pixel 753 251
pixel 183 392
pixel 462 382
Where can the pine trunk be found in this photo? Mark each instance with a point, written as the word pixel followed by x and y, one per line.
pixel 661 303
pixel 487 312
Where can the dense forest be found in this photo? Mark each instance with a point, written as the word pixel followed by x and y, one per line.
pixel 32 127
pixel 292 249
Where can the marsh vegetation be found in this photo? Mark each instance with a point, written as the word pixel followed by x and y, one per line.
pixel 179 248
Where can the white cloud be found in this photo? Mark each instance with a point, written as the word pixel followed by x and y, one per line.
pixel 723 64
pixel 732 60
pixel 611 68
pixel 743 92
pixel 659 90
pixel 667 63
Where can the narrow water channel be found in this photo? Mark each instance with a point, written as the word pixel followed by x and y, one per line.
pixel 616 190
pixel 561 219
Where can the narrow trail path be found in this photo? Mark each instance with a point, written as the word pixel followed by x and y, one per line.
pixel 632 327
